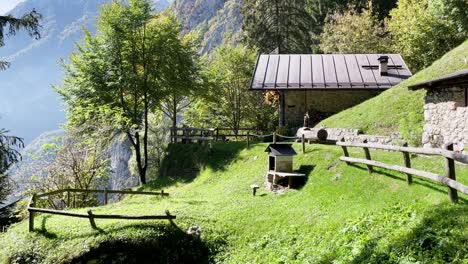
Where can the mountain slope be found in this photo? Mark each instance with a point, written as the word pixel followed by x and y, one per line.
pixel 28 104
pixel 216 20
pixel 341 215
pixel 381 115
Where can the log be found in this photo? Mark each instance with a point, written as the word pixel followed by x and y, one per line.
pixel 95 216
pixel 407 160
pixel 32 203
pixel 450 172
pixel 368 157
pixel 428 175
pixel 424 151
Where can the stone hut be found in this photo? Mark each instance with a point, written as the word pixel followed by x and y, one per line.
pixel 446 110
pixel 322 85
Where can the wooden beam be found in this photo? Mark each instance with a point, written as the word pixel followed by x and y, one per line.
pixel 428 175
pixel 407 161
pixel 450 173
pixel 368 157
pixel 424 151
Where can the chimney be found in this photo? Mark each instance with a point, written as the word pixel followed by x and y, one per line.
pixel 383 66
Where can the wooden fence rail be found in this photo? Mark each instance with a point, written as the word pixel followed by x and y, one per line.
pixel 449 180
pixel 32 209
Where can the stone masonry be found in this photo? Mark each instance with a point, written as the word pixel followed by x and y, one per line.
pixel 446 117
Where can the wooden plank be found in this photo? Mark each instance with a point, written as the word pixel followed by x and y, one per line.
pixel 353 70
pixel 50 193
pixel 286 174
pixel 424 151
pixel 450 172
pixel 57 212
pixel 428 175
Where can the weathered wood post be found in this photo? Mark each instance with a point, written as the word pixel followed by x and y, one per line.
pixel 68 197
pixel 274 137
pixel 106 196
pixel 303 143
pixel 91 219
pixel 368 157
pixel 407 160
pixel 32 203
pixel 248 138
pixel 450 172
pixel 345 150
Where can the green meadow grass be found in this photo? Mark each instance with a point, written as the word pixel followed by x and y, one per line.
pixel 381 115
pixel 342 214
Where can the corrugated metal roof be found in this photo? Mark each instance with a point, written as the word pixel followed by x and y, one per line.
pixel 327 71
pixel 456 78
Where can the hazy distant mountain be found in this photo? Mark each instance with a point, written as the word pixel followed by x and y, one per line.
pixel 28 104
pixel 217 20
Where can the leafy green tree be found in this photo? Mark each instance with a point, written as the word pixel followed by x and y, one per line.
pixel 352 31
pixel 424 30
pixel 277 24
pixel 10 25
pixel 130 67
pixel 229 103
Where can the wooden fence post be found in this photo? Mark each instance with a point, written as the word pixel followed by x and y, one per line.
pixel 31 213
pixel 303 143
pixel 345 150
pixel 91 219
pixel 274 137
pixel 368 157
pixel 105 196
pixel 450 172
pixel 407 160
pixel 68 197
pixel 248 139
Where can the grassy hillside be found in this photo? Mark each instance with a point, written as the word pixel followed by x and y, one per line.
pixel 381 115
pixel 342 215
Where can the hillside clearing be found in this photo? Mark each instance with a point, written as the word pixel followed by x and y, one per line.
pixel 378 217
pixel 381 115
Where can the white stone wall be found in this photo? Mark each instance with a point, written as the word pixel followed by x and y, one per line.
pixel 446 117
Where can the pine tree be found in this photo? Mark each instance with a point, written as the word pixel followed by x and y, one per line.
pixel 277 24
pixel 10 25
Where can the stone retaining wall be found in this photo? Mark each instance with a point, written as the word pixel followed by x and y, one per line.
pixel 446 117
pixel 351 135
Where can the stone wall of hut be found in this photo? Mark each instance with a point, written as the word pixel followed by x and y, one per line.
pixel 446 117
pixel 320 103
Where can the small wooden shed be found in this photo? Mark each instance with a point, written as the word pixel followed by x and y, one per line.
pixel 445 110
pixel 280 163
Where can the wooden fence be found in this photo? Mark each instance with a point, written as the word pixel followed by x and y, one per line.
pixel 448 180
pixel 32 209
pixel 188 134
